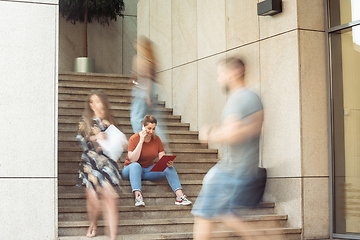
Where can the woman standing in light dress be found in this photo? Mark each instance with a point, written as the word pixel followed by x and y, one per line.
pixel 98 172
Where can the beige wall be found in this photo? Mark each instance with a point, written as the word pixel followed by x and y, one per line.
pixel 285 56
pixel 111 46
pixel 28 165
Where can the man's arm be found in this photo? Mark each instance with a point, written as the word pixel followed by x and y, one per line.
pixel 235 131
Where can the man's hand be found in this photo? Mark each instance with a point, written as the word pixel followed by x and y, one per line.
pixel 205 132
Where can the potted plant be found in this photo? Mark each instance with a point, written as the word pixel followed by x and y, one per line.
pixel 85 11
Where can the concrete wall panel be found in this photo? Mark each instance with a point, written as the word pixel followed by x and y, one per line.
pixel 211 35
pixel 286 193
pixel 128 49
pixel 143 21
pixel 285 21
pixel 241 23
pixel 280 96
pixel 184 43
pixel 28 166
pixel 160 32
pixel 28 209
pixel 314 112
pixel 28 89
pixel 185 95
pixel 316 208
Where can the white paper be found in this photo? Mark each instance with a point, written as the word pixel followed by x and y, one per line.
pixel 112 145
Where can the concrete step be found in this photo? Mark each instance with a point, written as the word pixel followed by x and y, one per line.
pixel 126 198
pixel 173 134
pixel 154 199
pixel 191 153
pixel 124 125
pixel 117 111
pixel 94 77
pixel 167 225
pixel 264 234
pixel 95 85
pixel 271 234
pixel 65 142
pixel 113 108
pixel 122 93
pixel 79 213
pixel 184 174
pixel 81 99
pixel 69 186
pixel 121 102
pixel 71 161
pixel 165 118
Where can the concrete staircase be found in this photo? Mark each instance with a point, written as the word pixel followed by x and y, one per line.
pixel 161 218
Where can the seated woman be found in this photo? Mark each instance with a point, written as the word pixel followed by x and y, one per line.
pixel 143 148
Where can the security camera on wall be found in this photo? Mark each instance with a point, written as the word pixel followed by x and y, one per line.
pixel 269 7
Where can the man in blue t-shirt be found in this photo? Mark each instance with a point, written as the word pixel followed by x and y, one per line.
pixel 239 136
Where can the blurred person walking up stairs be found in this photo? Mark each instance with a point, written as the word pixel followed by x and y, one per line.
pixel 143 93
pixel 239 135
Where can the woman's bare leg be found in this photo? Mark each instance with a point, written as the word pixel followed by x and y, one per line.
pixel 112 211
pixel 93 209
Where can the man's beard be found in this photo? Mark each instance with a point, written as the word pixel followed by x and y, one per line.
pixel 225 89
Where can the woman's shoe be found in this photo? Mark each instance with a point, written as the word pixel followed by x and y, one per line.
pixel 139 200
pixel 182 200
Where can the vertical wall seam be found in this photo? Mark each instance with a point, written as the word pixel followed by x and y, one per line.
pixel 260 93
pixel 122 44
pixel 329 108
pixel 56 79
pixel 172 63
pixel 301 137
pixel 197 69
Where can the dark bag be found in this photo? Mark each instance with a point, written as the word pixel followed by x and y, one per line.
pixel 252 193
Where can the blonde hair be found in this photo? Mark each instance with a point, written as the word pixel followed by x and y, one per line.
pixel 148 50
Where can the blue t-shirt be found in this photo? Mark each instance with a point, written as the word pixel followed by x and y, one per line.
pixel 241 160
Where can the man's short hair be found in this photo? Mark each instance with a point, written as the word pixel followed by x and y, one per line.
pixel 233 63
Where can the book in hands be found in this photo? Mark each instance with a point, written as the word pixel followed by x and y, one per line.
pixel 112 146
pixel 161 165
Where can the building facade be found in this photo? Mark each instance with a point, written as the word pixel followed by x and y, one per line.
pixel 285 57
pixel 302 62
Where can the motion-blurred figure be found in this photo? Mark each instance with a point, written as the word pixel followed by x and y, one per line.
pixel 239 134
pixel 143 93
pixel 98 172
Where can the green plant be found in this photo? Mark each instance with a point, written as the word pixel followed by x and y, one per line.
pixel 86 11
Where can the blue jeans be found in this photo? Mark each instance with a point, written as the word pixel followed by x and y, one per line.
pixel 139 109
pixel 217 195
pixel 135 173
